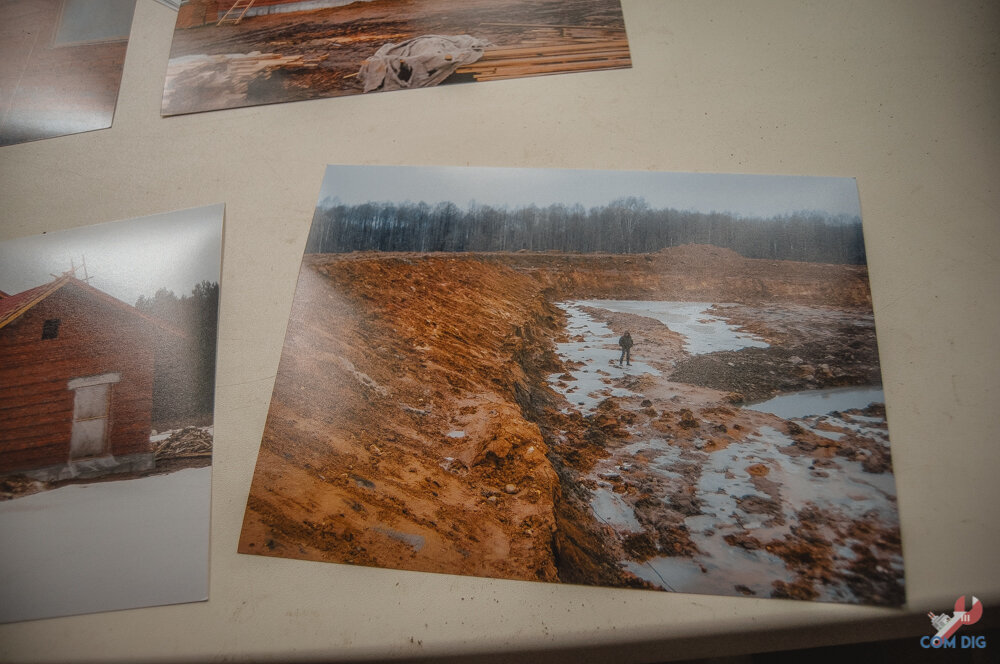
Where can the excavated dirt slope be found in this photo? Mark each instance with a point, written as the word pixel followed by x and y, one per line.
pixel 396 436
pixel 420 420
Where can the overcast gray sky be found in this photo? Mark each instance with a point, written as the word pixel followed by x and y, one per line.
pixel 744 195
pixel 175 250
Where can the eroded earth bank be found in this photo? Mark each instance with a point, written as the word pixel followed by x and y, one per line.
pixel 467 413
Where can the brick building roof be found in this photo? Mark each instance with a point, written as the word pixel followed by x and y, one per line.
pixel 13 307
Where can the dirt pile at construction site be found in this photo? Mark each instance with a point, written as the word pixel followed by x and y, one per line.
pixel 397 435
pixel 692 272
pixel 469 414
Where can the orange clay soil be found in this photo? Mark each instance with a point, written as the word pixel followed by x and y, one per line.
pixel 395 437
pixel 412 425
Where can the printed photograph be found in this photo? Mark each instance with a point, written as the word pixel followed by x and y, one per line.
pixel 659 381
pixel 228 54
pixel 61 64
pixel 107 384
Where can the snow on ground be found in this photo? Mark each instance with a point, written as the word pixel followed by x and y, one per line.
pixel 104 546
pixel 819 402
pixel 703 331
pixel 592 351
pixel 724 482
pixel 592 357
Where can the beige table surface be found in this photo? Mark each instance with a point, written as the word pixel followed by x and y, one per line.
pixel 902 95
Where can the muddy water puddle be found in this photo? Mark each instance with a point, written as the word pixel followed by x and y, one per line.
pixel 820 402
pixel 592 358
pixel 742 503
pixel 613 510
pixel 703 330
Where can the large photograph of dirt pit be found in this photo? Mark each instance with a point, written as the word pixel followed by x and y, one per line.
pixel 107 385
pixel 646 380
pixel 229 54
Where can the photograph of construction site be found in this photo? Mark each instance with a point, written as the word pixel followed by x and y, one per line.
pixel 633 379
pixel 107 386
pixel 228 54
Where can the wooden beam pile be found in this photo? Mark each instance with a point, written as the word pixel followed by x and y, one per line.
pixel 189 442
pixel 578 55
pixel 251 64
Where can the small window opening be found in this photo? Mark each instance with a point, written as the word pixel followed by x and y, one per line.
pixel 50 328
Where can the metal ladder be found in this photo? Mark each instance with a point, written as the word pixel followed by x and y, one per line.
pixel 243 5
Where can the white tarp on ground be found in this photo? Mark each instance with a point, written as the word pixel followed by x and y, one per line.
pixel 419 62
pixel 106 545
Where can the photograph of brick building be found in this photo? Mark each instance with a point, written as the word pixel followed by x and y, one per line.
pixel 76 381
pixel 107 383
pixel 62 63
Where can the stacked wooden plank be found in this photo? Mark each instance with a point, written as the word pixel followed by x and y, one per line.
pixel 251 64
pixel 15 486
pixel 563 54
pixel 189 442
pixel 223 80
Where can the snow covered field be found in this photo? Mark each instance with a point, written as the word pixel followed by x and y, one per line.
pixel 105 546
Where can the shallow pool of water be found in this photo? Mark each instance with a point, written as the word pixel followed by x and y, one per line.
pixel 820 402
pixel 703 331
pixel 730 497
pixel 610 508
pixel 592 356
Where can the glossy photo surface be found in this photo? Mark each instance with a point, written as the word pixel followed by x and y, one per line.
pixel 227 55
pixel 659 381
pixel 61 64
pixel 107 386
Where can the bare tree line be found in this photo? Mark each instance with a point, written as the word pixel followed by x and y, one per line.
pixel 184 380
pixel 626 225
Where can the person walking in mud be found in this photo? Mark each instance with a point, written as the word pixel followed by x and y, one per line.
pixel 626 343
